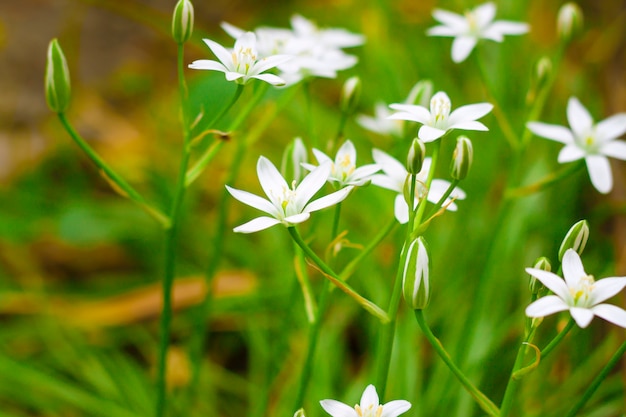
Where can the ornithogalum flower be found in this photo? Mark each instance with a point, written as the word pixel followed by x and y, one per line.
pixel 242 63
pixel 579 293
pixel 369 407
pixel 380 122
pixel 344 171
pixel 394 176
pixel 285 204
pixel 584 139
pixel 437 121
pixel 475 25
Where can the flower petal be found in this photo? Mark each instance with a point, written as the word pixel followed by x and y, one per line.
pixel 600 172
pixel 469 112
pixel 606 288
pixel 611 128
pixel 545 306
pixel 328 200
pixel 410 112
pixel 254 200
pixel 442 31
pixel 311 184
pixel 497 30
pixel 469 125
pixel 207 64
pixel 484 14
pixel 401 209
pixel 270 79
pixel 450 19
pixel 615 149
pixel 571 153
pixel 461 47
pixel 321 157
pixel 271 180
pixel 270 62
pixel 573 269
pixel 337 409
pixel 298 218
pixel 429 134
pixel 578 117
pixel 582 316
pixel 611 314
pixel 395 408
pixel 346 151
pixel 370 398
pixel 255 225
pixel 391 166
pixel 552 281
pixel 552 132
pixel 221 53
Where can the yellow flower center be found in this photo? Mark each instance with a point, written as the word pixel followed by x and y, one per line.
pixel 582 292
pixel 245 57
pixel 369 411
pixel 440 109
pixel 343 168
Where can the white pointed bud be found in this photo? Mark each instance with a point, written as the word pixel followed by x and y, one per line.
pixel 415 158
pixel 534 285
pixel 543 70
pixel 569 21
pixel 421 93
pixel 461 158
pixel 415 275
pixel 576 238
pixel 57 79
pixel 182 21
pixel 350 94
pixel 295 154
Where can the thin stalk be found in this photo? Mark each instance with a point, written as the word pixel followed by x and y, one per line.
pixel 171 242
pixel 115 180
pixel 421 208
pixel 557 339
pixel 597 381
pixel 483 401
pixel 443 198
pixel 548 181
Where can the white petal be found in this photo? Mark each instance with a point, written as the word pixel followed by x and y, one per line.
pixel 254 200
pixel 346 150
pixel 395 408
pixel 442 31
pixel 607 288
pixel 385 181
pixel 461 47
pixel 270 79
pixel 232 30
pixel 615 149
pixel 552 281
pixel 221 53
pixel 611 128
pixel 298 218
pixel 207 64
pixel 469 125
pixel 552 132
pixel 571 153
pixel 337 409
pixel 545 306
pixel 497 30
pixel 429 134
pixel 600 173
pixel 321 156
pixel 255 225
pixel 369 398
pixel 418 113
pixel 484 14
pixel 573 269
pixel 578 117
pixel 365 171
pixel 401 209
pixel 391 166
pixel 469 112
pixel 232 75
pixel 582 316
pixel 311 184
pixel 271 180
pixel 611 314
pixel 453 20
pixel 328 200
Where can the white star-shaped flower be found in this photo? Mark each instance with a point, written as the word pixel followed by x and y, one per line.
pixel 242 63
pixel 369 406
pixel 394 177
pixel 584 139
pixel 579 293
pixel 437 121
pixel 285 204
pixel 343 169
pixel 380 123
pixel 475 25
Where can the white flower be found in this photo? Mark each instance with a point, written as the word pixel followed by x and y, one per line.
pixel 242 64
pixel 475 25
pixel 369 406
pixel 343 169
pixel 579 293
pixel 439 120
pixel 394 177
pixel 286 205
pixel 380 123
pixel 584 139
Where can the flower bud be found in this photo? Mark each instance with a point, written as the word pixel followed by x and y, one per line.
pixel 293 157
pixel 299 413
pixel 57 79
pixel 421 93
pixel 461 158
pixel 415 158
pixel 350 94
pixel 569 21
pixel 182 21
pixel 576 238
pixel 415 278
pixel 534 285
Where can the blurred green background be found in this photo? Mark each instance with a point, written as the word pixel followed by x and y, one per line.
pixel 80 266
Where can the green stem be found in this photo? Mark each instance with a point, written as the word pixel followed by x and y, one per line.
pixel 511 387
pixel 548 181
pixel 597 381
pixel 115 180
pixel 485 403
pixel 421 208
pixel 557 339
pixel 171 241
pixel 443 198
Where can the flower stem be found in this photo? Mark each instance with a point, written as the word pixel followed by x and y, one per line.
pixel 443 198
pixel 485 403
pixel 597 381
pixel 557 339
pixel 421 208
pixel 349 269
pixel 171 241
pixel 114 179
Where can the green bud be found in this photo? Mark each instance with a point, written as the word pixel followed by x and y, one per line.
pixel 406 191
pixel 461 158
pixel 182 21
pixel 534 285
pixel 420 93
pixel 569 21
pixel 293 157
pixel 415 158
pixel 350 94
pixel 299 413
pixel 576 238
pixel 57 79
pixel 415 275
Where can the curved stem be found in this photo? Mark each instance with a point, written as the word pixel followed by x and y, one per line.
pixel 349 269
pixel 485 403
pixel 443 198
pixel 557 339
